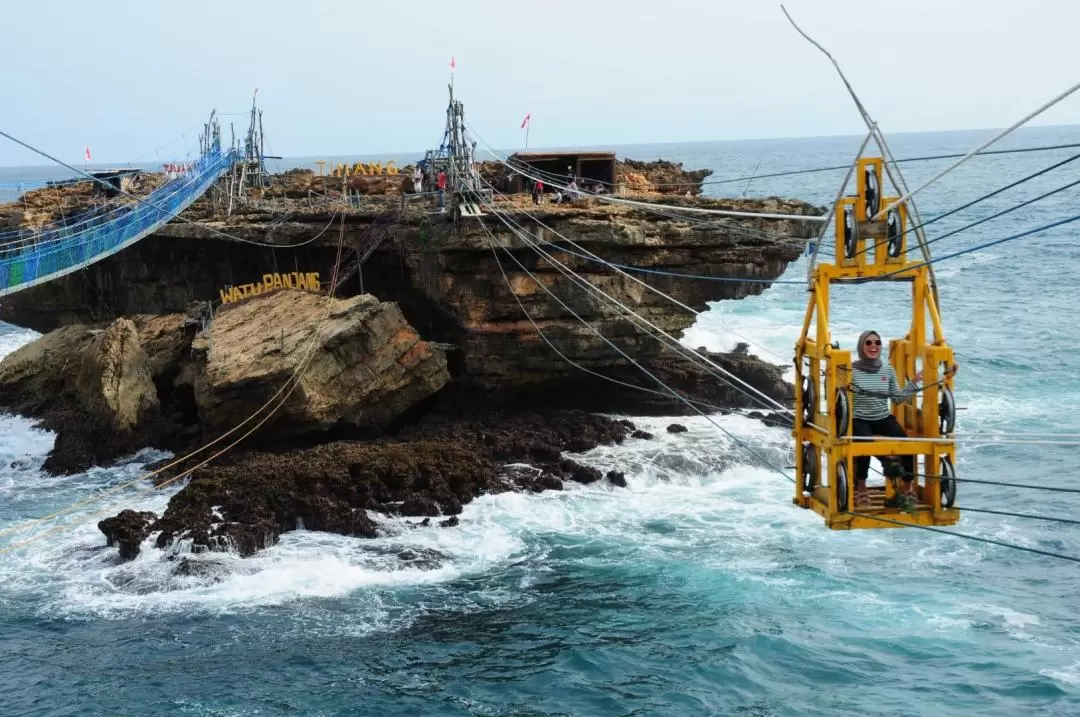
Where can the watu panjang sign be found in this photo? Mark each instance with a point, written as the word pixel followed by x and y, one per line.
pixel 270 282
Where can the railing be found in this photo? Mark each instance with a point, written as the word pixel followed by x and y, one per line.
pixel 61 251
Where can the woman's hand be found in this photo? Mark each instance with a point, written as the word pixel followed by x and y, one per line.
pixel 917 378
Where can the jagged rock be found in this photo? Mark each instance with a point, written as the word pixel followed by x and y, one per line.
pixel 127 531
pixel 578 473
pixel 644 435
pixel 660 176
pixel 245 503
pixel 365 367
pixel 616 478
pixel 676 428
pixel 114 379
pixel 92 386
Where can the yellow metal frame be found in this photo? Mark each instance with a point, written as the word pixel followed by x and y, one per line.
pixel 923 348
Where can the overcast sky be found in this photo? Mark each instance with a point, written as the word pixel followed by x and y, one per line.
pixel 363 76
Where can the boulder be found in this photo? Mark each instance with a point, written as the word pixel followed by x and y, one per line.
pixel 362 364
pixel 113 381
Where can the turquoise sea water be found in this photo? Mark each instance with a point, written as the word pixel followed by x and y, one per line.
pixel 698 590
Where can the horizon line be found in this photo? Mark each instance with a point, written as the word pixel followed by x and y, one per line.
pixel 566 147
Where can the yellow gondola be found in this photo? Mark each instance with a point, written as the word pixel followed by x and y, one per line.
pixel 867 251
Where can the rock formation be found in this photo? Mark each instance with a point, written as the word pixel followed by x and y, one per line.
pixel 246 502
pixel 152 382
pixel 358 361
pixel 411 403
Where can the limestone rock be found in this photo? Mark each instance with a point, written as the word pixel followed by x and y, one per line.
pixel 113 381
pixel 364 367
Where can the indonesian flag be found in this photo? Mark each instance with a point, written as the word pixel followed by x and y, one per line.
pixel 525 122
pixel 87 154
pixel 453 65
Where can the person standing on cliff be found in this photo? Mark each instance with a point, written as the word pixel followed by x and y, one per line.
pixel 417 180
pixel 442 191
pixel 570 176
pixel 538 192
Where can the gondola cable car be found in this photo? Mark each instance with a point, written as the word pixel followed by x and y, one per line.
pixel 871 245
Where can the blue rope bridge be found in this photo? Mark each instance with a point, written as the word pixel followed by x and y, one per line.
pixel 49 255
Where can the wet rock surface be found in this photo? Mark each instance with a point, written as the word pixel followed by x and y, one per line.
pixel 429 470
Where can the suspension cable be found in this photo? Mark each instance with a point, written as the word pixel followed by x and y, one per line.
pixel 1030 516
pixel 969 536
pixel 586 254
pixel 139 199
pixel 985 245
pixel 688 353
pixel 620 351
pixel 872 247
pixel 286 389
pixel 833 168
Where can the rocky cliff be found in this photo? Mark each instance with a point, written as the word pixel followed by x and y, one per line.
pixel 421 386
pixel 169 381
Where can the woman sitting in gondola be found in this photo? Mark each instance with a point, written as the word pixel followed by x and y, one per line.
pixel 875 384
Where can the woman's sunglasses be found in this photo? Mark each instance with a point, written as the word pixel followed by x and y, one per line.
pixel 873 342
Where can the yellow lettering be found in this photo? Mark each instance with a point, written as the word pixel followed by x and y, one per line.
pixel 313 281
pixel 375 167
pixel 301 281
pixel 391 168
pixel 277 281
pixel 235 295
pixel 225 297
pixel 267 282
pixel 358 168
pixel 289 280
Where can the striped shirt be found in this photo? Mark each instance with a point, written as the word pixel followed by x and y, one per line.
pixel 873 391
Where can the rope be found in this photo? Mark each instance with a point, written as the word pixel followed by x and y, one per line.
pixel 630 202
pixel 968 536
pixel 141 200
pixel 833 168
pixel 660 382
pixel 1028 486
pixel 979 199
pixel 693 355
pixel 1001 135
pixel 294 380
pixel 1021 515
pixel 146 476
pixel 736 440
pixel 595 257
pixel 986 245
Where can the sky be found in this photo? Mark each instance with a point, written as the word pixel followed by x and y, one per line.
pixel 134 81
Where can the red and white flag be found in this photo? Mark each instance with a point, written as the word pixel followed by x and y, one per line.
pixel 453 65
pixel 87 154
pixel 525 122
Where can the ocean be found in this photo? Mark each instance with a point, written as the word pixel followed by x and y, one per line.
pixel 699 589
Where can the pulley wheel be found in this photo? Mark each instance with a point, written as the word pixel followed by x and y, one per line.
pixel 840 410
pixel 893 234
pixel 809 399
pixel 841 487
pixel 946 412
pixel 851 234
pixel 872 198
pixel 948 482
pixel 811 468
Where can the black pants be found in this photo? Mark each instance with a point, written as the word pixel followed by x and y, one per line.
pixel 887 426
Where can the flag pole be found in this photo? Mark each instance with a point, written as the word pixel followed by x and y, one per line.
pixel 528 126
